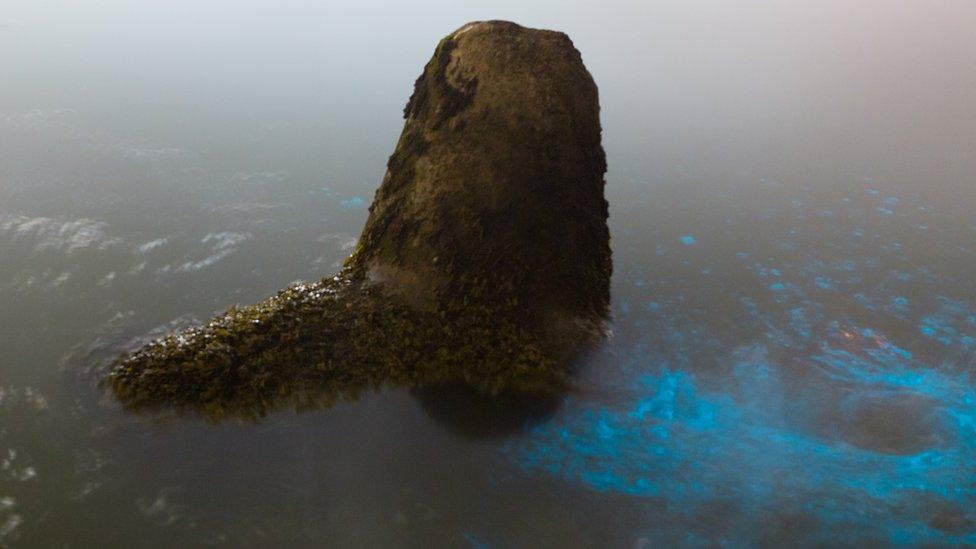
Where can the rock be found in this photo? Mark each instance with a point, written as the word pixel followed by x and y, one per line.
pixel 496 184
pixel 485 259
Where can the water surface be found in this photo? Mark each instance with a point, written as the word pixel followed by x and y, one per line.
pixel 794 232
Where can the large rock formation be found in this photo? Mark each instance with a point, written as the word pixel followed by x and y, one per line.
pixel 496 184
pixel 485 258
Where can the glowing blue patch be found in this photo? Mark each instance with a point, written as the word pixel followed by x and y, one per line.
pixel 770 401
pixel 688 240
pixel 899 305
pixel 475 541
pixel 947 324
pixel 824 283
pixel 693 446
pixel 354 202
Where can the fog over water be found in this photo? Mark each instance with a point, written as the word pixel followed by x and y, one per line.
pixel 792 192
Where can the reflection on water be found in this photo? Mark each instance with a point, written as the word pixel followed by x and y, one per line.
pixel 794 336
pixel 473 414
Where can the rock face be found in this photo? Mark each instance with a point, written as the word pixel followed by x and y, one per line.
pixel 496 184
pixel 485 259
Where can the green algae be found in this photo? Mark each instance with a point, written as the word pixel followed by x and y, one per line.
pixel 313 344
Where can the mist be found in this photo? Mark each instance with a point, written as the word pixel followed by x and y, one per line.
pixel 879 86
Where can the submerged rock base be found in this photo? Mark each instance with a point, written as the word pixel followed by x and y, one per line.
pixel 485 259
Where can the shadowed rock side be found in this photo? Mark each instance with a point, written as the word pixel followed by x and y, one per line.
pixel 485 258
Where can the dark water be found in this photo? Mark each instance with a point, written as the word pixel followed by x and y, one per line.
pixel 794 232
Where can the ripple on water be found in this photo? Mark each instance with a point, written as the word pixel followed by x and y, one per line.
pixel 829 403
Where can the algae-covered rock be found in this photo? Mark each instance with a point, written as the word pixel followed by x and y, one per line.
pixel 485 258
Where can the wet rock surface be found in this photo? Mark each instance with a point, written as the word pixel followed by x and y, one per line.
pixel 485 259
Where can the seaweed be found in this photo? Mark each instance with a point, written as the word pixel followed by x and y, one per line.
pixel 313 344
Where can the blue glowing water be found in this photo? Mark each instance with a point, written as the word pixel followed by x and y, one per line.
pixel 819 373
pixel 793 223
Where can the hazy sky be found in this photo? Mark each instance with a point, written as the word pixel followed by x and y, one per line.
pixel 805 81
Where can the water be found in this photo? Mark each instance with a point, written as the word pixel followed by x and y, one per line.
pixel 794 232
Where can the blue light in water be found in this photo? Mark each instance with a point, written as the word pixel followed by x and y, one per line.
pixel 352 203
pixel 676 439
pixel 688 240
pixel 846 265
pixel 475 541
pixel 824 283
pixel 780 412
pixel 947 325
pixel 899 305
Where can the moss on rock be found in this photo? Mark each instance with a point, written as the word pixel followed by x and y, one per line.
pixel 485 258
